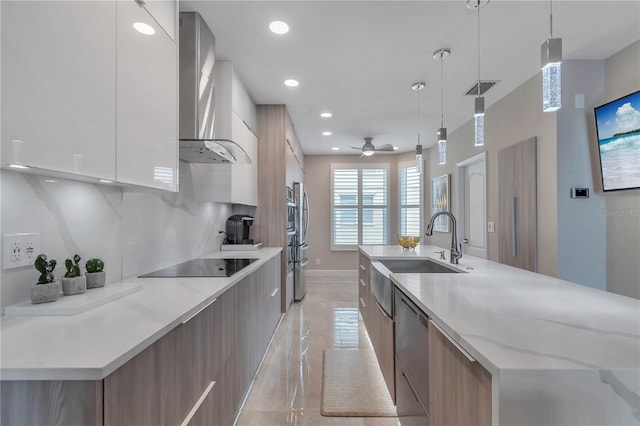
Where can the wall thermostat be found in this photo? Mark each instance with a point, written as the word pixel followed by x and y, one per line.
pixel 579 192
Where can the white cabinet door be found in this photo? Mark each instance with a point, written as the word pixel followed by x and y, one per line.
pixel 244 179
pixel 59 85
pixel 147 103
pixel 165 13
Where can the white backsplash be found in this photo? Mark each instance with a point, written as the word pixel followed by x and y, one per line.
pixel 133 230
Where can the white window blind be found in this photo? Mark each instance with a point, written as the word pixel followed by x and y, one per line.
pixel 410 196
pixel 359 205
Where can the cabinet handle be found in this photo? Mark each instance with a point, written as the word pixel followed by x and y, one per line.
pixel 408 306
pixel 275 291
pixel 364 305
pixel 453 342
pixel 362 283
pixel 514 239
pixel 199 310
pixel 197 405
pixel 384 314
pixel 363 268
pixel 411 388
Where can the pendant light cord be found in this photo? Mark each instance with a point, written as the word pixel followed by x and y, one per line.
pixel 478 48
pixel 550 19
pixel 441 94
pixel 419 116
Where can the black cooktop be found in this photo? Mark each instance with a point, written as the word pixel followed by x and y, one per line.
pixel 201 268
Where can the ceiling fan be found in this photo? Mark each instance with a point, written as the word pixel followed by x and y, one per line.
pixel 368 148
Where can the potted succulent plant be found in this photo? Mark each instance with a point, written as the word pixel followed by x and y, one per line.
pixel 73 282
pixel 95 275
pixel 46 289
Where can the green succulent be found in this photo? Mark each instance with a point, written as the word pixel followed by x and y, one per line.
pixel 73 268
pixel 94 265
pixel 45 268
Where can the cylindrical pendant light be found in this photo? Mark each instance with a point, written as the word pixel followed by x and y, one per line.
pixel 478 116
pixel 440 55
pixel 418 88
pixel 551 58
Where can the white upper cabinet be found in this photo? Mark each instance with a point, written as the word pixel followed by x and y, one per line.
pixel 165 13
pixel 147 101
pixel 59 86
pixel 244 177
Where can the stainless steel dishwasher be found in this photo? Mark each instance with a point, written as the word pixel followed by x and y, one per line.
pixel 412 358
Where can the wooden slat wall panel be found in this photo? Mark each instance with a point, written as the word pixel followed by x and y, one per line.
pixel 51 402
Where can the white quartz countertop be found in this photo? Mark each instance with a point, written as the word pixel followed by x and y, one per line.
pixel 508 318
pixel 93 344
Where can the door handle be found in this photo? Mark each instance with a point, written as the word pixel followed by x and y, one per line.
pixel 466 241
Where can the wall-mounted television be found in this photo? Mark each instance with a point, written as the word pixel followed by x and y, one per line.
pixel 618 129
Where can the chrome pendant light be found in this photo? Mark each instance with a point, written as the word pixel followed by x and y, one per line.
pixel 418 88
pixel 478 116
pixel 551 55
pixel 440 55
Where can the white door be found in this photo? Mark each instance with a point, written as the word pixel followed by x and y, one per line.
pixel 475 201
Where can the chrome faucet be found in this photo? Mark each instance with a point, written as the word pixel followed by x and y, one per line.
pixel 456 252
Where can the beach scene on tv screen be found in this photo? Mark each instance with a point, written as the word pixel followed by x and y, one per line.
pixel 619 142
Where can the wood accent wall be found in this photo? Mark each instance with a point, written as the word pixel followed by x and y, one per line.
pixel 270 223
pixel 517 177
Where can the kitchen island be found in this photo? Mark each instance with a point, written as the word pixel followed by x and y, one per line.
pixel 180 349
pixel 558 353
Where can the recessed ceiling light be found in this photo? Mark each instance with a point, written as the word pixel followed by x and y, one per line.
pixel 326 133
pixel 18 166
pixel 396 148
pixel 291 83
pixel 106 181
pixel 51 180
pixel 335 148
pixel 143 28
pixel 279 27
pixel 326 115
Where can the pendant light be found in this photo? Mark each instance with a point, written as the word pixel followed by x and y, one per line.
pixel 418 88
pixel 478 116
pixel 551 54
pixel 440 55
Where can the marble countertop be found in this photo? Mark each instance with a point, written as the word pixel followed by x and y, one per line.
pixel 511 319
pixel 93 344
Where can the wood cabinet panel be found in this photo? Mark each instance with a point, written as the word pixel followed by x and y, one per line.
pixel 384 346
pixel 517 217
pixel 459 389
pixel 51 402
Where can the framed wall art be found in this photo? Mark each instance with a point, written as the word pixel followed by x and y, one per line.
pixel 440 201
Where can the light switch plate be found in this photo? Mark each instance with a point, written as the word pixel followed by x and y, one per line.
pixel 491 227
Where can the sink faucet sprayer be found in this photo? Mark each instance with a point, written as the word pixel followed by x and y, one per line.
pixel 456 252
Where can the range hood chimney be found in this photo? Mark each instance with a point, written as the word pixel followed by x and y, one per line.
pixel 198 143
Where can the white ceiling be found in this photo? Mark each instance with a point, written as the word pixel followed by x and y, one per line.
pixel 358 59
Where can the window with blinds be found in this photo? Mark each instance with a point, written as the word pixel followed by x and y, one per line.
pixel 359 205
pixel 410 196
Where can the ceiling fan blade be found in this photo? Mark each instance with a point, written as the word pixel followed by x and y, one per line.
pixel 356 147
pixel 385 147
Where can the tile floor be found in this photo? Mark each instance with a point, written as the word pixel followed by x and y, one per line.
pixel 287 388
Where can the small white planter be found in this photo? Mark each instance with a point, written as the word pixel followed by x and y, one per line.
pixel 95 279
pixel 75 285
pixel 43 293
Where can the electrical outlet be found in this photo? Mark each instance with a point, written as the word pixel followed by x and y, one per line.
pixel 491 227
pixel 20 250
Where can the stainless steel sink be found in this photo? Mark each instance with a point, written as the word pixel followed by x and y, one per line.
pixel 417 266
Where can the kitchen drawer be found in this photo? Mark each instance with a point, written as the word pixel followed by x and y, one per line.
pixel 410 409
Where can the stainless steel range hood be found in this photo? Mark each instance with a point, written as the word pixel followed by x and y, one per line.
pixel 198 142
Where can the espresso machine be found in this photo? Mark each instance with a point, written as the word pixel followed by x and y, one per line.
pixel 238 227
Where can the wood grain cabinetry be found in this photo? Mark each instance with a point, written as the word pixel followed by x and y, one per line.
pixel 276 144
pixel 197 374
pixel 364 289
pixel 459 387
pixel 517 219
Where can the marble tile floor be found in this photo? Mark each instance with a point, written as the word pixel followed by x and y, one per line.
pixel 288 386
